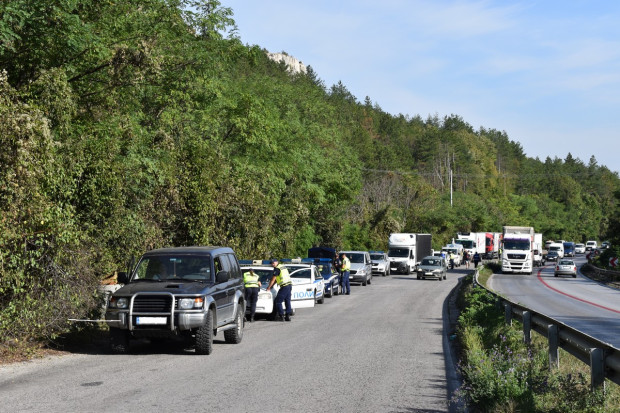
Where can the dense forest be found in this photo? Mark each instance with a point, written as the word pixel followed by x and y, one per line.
pixel 126 126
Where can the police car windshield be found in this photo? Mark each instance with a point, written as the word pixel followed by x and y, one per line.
pixel 264 274
pixel 167 267
pixel 302 273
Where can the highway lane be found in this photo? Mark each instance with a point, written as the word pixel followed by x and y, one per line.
pixel 379 349
pixel 584 304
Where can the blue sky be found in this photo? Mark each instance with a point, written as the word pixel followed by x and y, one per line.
pixel 547 72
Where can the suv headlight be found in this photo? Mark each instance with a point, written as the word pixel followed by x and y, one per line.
pixel 361 271
pixel 118 302
pixel 190 303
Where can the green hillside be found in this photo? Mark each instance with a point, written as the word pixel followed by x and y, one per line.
pixel 125 128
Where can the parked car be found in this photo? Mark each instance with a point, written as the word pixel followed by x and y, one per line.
pixel 308 284
pixel 606 244
pixel 431 266
pixel 380 263
pixel 591 245
pixel 192 292
pixel 580 248
pixel 266 299
pixel 361 267
pixel 565 267
pixel 330 275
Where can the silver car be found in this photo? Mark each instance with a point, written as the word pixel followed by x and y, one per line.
pixel 361 266
pixel 565 267
pixel 434 267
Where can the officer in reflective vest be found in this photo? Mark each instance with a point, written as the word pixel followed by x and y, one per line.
pixel 252 286
pixel 346 272
pixel 281 276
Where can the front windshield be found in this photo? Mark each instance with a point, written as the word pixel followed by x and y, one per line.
pixel 167 267
pixel 428 261
pixel 398 252
pixel 303 273
pixel 554 248
pixel 517 244
pixel 466 243
pixel 376 257
pixel 356 258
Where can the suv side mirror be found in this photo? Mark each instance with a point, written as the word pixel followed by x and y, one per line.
pixel 222 277
pixel 122 277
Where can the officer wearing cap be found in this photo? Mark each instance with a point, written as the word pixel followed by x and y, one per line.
pixel 250 280
pixel 281 276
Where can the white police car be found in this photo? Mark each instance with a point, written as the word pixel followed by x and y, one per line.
pixel 308 284
pixel 266 299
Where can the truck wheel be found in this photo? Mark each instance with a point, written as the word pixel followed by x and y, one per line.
pixel 119 341
pixel 204 336
pixel 234 335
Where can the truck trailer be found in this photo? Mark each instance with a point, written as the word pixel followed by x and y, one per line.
pixel 406 250
pixel 518 249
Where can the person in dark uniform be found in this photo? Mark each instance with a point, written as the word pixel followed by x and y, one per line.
pixel 338 268
pixel 476 259
pixel 252 286
pixel 281 276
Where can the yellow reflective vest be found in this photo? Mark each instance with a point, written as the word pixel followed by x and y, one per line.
pixel 250 281
pixel 346 264
pixel 283 278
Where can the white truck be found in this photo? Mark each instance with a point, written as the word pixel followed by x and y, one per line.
pixel 457 250
pixel 517 249
pixel 406 250
pixel 472 242
pixel 538 250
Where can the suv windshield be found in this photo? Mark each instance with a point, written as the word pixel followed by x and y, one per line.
pixel 167 267
pixel 356 258
pixel 377 257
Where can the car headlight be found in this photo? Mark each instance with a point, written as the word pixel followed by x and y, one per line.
pixel 264 295
pixel 190 303
pixel 118 302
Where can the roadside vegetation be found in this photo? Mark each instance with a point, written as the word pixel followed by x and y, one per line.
pixel 502 374
pixel 128 128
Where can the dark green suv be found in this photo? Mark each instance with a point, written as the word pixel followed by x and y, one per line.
pixel 192 292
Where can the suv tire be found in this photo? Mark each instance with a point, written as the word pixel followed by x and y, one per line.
pixel 204 336
pixel 234 335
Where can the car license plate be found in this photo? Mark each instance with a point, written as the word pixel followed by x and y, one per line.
pixel 151 321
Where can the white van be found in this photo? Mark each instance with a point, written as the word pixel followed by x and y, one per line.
pixel 591 245
pixel 558 247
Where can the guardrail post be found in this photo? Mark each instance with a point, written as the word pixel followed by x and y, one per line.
pixel 508 313
pixel 554 337
pixel 527 327
pixel 597 368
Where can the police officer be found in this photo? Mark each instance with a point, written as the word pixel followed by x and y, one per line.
pixel 452 257
pixel 281 276
pixel 477 259
pixel 338 268
pixel 346 268
pixel 252 286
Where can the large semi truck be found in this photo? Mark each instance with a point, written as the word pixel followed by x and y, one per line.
pixel 472 242
pixel 406 250
pixel 517 250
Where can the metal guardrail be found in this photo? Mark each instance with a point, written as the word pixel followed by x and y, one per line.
pixel 603 358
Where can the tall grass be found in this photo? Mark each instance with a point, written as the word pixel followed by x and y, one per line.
pixel 503 374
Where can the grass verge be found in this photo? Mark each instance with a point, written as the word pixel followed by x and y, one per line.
pixel 503 374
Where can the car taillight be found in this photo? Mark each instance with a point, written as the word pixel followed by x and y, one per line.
pixel 557 267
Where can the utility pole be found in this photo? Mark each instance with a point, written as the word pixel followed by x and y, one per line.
pixel 450 187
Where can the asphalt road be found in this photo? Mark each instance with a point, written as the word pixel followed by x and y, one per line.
pixel 581 303
pixel 381 349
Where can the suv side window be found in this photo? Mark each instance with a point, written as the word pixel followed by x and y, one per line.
pixel 217 264
pixel 234 266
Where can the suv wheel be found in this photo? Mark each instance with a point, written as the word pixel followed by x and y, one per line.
pixel 234 335
pixel 204 336
pixel 119 341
